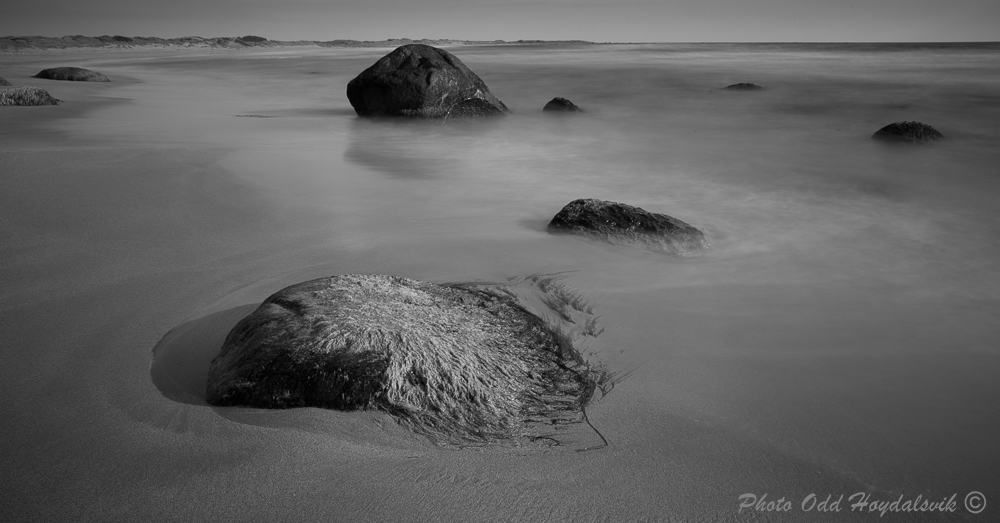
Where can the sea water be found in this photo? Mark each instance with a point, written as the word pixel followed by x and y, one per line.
pixel 846 314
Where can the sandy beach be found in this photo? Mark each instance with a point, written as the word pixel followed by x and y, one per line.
pixel 840 338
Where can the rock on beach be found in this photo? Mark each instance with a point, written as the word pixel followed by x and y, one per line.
pixel 459 365
pixel 74 74
pixel 623 224
pixel 422 81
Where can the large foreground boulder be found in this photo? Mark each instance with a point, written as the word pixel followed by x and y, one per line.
pixel 453 363
pixel 910 132
pixel 74 74
pixel 623 224
pixel 423 81
pixel 26 96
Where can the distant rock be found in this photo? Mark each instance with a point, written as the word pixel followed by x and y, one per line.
pixel 455 364
pixel 623 224
pixel 74 74
pixel 26 96
pixel 744 87
pixel 561 104
pixel 911 132
pixel 4 82
pixel 422 81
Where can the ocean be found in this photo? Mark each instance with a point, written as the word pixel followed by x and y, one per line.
pixel 840 336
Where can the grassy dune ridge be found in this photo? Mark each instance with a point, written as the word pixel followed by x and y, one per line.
pixel 14 43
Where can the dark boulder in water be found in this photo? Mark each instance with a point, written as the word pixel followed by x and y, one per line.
pixel 744 87
pixel 454 363
pixel 4 82
pixel 623 224
pixel 561 104
pixel 74 74
pixel 422 81
pixel 911 132
pixel 26 96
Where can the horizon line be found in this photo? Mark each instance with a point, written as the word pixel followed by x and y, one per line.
pixel 525 40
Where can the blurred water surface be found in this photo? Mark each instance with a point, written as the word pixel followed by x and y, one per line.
pixel 846 314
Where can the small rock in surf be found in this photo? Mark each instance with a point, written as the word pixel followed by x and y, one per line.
pixel 744 87
pixel 623 224
pixel 73 74
pixel 561 105
pixel 910 132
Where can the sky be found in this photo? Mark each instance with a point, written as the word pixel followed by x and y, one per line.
pixel 592 20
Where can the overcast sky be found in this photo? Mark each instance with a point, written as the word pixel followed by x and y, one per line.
pixel 593 20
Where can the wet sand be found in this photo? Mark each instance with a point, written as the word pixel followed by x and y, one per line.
pixel 148 203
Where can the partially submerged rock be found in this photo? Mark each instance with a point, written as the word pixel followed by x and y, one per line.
pixel 74 74
pixel 4 82
pixel 744 87
pixel 26 96
pixel 623 224
pixel 561 104
pixel 422 81
pixel 459 365
pixel 912 132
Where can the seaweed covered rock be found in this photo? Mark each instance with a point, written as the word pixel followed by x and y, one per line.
pixel 454 363
pixel 744 87
pixel 422 81
pixel 561 105
pixel 623 224
pixel 74 74
pixel 4 82
pixel 26 96
pixel 911 132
